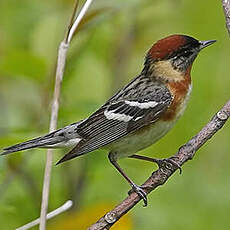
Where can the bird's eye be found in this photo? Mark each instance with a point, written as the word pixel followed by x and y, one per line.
pixel 187 53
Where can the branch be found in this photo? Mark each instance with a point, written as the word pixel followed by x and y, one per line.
pixel 78 20
pixel 159 177
pixel 67 205
pixel 226 8
pixel 62 52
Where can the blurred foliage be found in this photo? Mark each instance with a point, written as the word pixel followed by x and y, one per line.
pixel 107 52
pixel 82 219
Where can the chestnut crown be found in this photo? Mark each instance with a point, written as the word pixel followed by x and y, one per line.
pixel 180 50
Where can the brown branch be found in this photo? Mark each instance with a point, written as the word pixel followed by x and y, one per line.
pixel 159 177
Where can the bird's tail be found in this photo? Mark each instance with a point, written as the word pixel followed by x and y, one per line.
pixel 65 137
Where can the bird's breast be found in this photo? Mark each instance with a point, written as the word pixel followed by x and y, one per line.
pixel 181 92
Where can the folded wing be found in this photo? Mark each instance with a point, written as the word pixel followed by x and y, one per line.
pixel 118 118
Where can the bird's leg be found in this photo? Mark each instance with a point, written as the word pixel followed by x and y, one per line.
pixel 135 187
pixel 159 162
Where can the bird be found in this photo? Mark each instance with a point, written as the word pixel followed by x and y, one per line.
pixel 138 115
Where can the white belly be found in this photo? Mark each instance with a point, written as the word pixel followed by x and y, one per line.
pixel 131 144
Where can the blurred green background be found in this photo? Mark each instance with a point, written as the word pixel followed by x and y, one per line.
pixel 107 52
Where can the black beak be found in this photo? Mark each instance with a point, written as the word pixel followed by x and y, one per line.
pixel 204 44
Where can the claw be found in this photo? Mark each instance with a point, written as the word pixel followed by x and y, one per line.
pixel 142 194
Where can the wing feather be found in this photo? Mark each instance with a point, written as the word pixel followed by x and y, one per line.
pixel 120 116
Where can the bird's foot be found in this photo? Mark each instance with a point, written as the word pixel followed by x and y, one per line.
pixel 161 162
pixel 140 191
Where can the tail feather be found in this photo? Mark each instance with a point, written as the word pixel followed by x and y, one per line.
pixel 36 142
pixel 59 138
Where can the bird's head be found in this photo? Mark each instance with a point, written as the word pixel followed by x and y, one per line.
pixel 172 57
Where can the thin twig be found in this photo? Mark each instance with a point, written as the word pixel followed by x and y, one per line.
pixel 159 177
pixel 226 7
pixel 53 124
pixel 62 52
pixel 72 19
pixel 78 19
pixel 67 205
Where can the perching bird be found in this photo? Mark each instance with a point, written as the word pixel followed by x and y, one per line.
pixel 137 115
